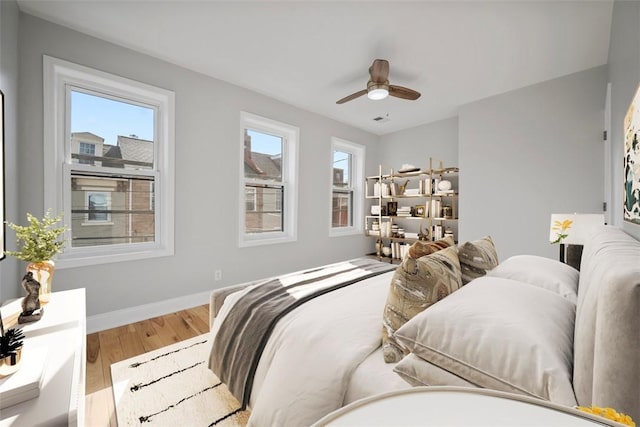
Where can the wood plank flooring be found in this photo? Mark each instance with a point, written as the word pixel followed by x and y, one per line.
pixel 123 342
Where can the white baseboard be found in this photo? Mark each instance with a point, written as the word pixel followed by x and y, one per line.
pixel 116 318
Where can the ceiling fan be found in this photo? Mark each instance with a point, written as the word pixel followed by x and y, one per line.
pixel 378 86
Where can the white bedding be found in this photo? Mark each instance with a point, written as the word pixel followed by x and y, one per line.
pixel 304 372
pixel 373 376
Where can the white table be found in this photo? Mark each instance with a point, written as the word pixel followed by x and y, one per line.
pixel 458 406
pixel 62 330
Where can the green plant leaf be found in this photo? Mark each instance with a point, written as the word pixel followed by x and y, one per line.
pixel 38 241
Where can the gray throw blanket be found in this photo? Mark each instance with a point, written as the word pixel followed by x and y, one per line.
pixel 245 331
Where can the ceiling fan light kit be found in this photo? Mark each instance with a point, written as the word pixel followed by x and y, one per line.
pixel 378 86
pixel 378 92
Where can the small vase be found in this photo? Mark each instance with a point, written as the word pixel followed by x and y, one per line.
pixel 9 364
pixel 43 273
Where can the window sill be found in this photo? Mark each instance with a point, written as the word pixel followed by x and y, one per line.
pixel 344 231
pixel 107 257
pixel 261 241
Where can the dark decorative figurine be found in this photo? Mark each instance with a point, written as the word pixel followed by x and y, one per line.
pixel 31 310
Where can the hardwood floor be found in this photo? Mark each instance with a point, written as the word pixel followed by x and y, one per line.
pixel 114 345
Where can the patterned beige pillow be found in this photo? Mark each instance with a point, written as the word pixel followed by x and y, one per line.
pixel 476 258
pixel 420 248
pixel 416 285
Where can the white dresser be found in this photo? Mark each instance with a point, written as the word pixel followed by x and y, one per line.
pixel 62 331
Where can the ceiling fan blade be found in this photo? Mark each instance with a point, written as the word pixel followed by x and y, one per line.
pixel 403 92
pixel 379 71
pixel 352 96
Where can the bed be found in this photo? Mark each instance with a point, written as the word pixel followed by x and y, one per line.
pixel 527 325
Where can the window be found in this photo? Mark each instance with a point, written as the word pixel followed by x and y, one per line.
pixel 347 176
pixel 269 181
pixel 110 146
pixel 86 149
pixel 250 195
pixel 99 206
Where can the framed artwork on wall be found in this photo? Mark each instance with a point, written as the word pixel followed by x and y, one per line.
pixel 2 208
pixel 631 198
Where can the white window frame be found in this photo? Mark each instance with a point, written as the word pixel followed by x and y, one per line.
pixel 290 136
pixel 59 76
pixel 356 179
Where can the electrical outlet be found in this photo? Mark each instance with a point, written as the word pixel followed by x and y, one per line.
pixel 217 275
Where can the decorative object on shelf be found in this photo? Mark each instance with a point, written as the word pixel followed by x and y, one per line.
pixel 402 188
pixel 444 185
pixel 39 244
pixel 424 234
pixel 608 413
pixel 379 247
pixel 447 212
pixel 448 232
pixel 406 167
pixel 392 208
pixel 10 350
pixel 418 210
pixel 31 311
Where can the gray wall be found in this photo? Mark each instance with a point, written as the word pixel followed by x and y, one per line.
pixel 207 138
pixel 528 153
pixel 523 155
pixel 415 145
pixel 624 75
pixel 9 13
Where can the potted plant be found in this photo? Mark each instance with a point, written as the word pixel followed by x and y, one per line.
pixel 39 243
pixel 10 350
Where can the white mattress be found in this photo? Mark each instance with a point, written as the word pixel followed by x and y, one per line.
pixel 373 376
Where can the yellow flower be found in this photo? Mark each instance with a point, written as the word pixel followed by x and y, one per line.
pixel 561 227
pixel 608 413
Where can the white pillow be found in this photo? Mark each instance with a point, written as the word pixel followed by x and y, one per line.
pixel 499 334
pixel 546 273
pixel 419 372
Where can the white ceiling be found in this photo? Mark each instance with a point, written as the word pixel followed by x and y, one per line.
pixel 311 53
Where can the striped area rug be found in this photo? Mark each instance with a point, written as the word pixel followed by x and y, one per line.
pixel 172 386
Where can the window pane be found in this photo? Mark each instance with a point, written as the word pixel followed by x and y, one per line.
pixel 98 204
pixel 262 156
pixel 106 132
pixel 110 211
pixel 341 213
pixel 267 213
pixel 250 198
pixel 341 169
